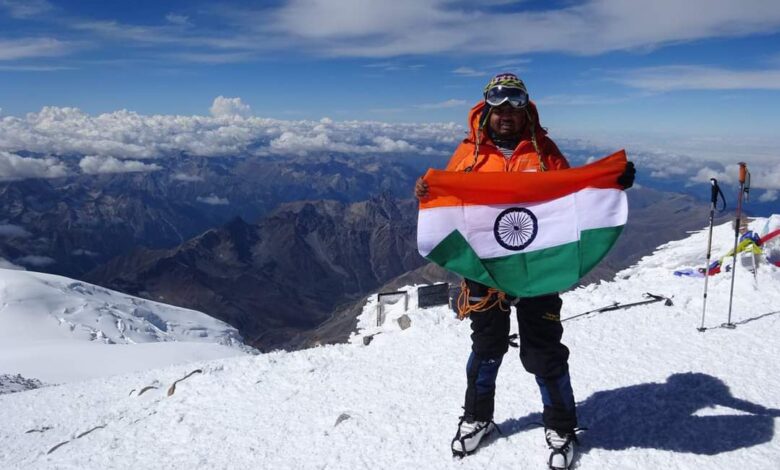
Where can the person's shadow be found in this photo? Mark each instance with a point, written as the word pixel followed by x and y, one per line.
pixel 664 416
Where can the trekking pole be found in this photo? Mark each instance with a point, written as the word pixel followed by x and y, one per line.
pixel 618 306
pixel 744 176
pixel 714 202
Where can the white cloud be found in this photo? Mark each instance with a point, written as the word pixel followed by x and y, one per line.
pixel 141 34
pixel 301 144
pixel 92 165
pixel 686 77
pixel 381 29
pixel 769 196
pixel 451 103
pixel 386 144
pixel 515 63
pixel 13 231
pixel 219 57
pixel 761 177
pixel 469 72
pixel 34 68
pixel 766 177
pixel 376 28
pixel 725 176
pixel 177 19
pixel 36 261
pixel 213 200
pixel 5 264
pixel 13 49
pixel 229 107
pixel 132 136
pixel 83 252
pixel 26 8
pixel 687 157
pixel 394 66
pixel 14 167
pixel 187 178
pixel 579 100
pixel 172 34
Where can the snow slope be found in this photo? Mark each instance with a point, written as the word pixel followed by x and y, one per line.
pixel 654 392
pixel 55 329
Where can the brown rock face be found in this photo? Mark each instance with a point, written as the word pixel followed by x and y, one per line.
pixel 283 276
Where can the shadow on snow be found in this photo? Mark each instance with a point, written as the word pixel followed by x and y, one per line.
pixel 662 416
pixel 742 322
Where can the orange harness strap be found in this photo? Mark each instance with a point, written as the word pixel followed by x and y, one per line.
pixel 466 308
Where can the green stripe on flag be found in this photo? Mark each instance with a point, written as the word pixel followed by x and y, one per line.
pixel 455 254
pixel 598 242
pixel 528 274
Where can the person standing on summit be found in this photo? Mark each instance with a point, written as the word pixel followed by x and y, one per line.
pixel 506 136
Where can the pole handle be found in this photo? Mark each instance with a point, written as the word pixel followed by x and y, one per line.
pixel 714 195
pixel 742 172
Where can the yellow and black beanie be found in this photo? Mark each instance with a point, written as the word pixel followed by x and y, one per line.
pixel 508 80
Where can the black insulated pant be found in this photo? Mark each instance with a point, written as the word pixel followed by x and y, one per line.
pixel 541 353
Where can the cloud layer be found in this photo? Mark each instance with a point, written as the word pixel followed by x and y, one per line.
pixel 381 29
pixel 124 135
pixel 13 167
pixel 13 49
pixel 125 141
pixel 376 28
pixel 93 165
pixel 692 159
pixel 681 77
pixel 213 200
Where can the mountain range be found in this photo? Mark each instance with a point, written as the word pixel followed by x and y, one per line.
pixel 71 225
pixel 279 248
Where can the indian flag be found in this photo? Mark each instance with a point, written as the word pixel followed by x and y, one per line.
pixel 526 234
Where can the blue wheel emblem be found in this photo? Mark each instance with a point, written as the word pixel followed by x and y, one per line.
pixel 515 228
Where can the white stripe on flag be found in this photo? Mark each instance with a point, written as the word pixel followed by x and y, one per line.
pixel 560 221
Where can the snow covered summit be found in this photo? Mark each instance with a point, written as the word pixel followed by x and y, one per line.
pixel 55 329
pixel 653 391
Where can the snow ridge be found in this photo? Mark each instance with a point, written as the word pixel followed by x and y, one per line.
pixel 55 330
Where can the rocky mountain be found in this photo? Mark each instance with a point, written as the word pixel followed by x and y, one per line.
pixel 71 225
pixel 284 275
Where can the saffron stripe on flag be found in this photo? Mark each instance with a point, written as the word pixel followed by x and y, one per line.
pixel 449 188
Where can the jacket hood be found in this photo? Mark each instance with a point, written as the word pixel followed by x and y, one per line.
pixel 476 113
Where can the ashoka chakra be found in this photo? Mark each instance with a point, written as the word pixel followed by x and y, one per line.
pixel 515 228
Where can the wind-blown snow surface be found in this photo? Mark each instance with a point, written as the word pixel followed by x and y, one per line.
pixel 56 330
pixel 654 392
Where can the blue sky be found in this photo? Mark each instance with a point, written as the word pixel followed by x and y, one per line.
pixel 688 88
pixel 705 67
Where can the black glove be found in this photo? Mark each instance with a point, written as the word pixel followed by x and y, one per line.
pixel 627 178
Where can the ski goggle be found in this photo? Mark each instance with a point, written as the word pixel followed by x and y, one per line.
pixel 498 95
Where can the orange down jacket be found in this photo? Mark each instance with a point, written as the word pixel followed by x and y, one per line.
pixel 489 158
